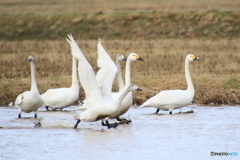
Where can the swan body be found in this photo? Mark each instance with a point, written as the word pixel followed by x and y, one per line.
pixel 127 101
pixel 60 98
pixel 100 111
pixel 169 100
pixel 96 105
pixel 29 101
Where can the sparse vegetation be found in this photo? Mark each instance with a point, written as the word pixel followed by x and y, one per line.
pixel 119 25
pixel 216 76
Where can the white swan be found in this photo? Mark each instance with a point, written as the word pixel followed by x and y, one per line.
pixel 173 99
pixel 127 101
pixel 96 106
pixel 60 98
pixel 121 85
pixel 29 101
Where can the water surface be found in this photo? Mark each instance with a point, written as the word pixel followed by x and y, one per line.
pixel 150 136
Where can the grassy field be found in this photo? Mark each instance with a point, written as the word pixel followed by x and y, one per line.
pixel 162 32
pixel 66 6
pixel 215 77
pixel 137 25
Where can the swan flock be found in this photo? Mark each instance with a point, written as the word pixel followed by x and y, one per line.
pixel 100 102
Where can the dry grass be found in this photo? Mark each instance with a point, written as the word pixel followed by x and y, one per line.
pixel 215 77
pixel 139 25
pixel 61 6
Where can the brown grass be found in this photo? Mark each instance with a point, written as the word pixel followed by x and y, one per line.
pixel 215 77
pixel 60 6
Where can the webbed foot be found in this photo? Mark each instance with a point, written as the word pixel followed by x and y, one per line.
pixel 110 125
pixel 124 121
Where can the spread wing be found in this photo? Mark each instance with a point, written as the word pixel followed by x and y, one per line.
pixel 107 72
pixel 86 74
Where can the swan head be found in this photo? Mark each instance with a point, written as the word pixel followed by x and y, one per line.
pixel 133 87
pixel 31 58
pixel 191 57
pixel 121 57
pixel 135 57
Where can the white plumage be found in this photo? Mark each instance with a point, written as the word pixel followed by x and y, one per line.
pixel 127 101
pixel 60 98
pixel 29 101
pixel 97 106
pixel 107 72
pixel 173 99
pixel 121 85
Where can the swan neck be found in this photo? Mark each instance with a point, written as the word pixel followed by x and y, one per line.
pixel 127 73
pixel 122 95
pixel 119 76
pixel 33 77
pixel 188 77
pixel 74 73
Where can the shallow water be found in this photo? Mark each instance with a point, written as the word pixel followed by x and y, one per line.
pixel 150 136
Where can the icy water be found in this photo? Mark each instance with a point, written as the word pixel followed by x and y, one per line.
pixel 149 137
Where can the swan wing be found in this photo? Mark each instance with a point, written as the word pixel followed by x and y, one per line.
pixel 86 74
pixel 19 99
pixel 107 72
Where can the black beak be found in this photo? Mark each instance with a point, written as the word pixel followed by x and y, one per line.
pixel 140 59
pixel 124 59
pixel 196 59
pixel 138 89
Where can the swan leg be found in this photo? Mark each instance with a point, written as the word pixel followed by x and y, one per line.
pixel 170 112
pixel 104 124
pixel 75 126
pixel 35 115
pixel 109 125
pixel 19 112
pixel 123 121
pixel 157 111
pixel 47 108
pixel 119 119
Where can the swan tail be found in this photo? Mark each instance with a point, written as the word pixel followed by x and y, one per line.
pixel 144 105
pixel 11 104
